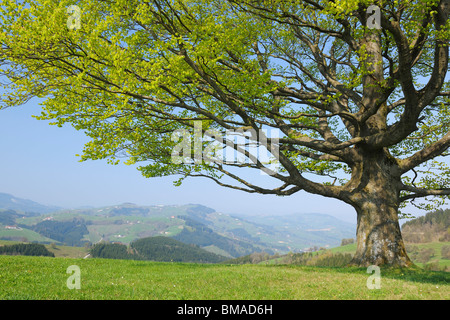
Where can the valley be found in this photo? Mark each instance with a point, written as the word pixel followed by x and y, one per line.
pixel 213 236
pixel 230 236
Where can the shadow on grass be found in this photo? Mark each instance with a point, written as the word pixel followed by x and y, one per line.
pixel 414 273
pixel 417 274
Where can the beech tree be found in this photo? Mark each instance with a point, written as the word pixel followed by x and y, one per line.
pixel 357 90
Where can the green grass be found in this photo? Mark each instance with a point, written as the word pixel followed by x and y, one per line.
pixel 349 248
pixel 58 250
pixel 437 246
pixel 36 278
pixel 24 233
pixel 129 227
pixel 437 257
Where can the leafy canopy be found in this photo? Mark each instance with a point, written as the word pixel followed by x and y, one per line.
pixel 136 71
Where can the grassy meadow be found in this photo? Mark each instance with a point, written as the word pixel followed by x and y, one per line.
pixel 44 278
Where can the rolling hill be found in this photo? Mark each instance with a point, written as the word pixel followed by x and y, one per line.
pixel 28 207
pixel 220 233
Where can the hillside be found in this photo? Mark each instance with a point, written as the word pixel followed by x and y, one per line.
pixel 304 230
pixel 219 233
pixel 252 239
pixel 28 207
pixel 155 249
pixel 434 226
pixel 26 249
pixel 427 241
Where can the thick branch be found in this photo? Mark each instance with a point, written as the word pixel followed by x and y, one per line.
pixel 420 192
pixel 425 154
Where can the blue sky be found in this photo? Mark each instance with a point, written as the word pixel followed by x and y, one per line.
pixel 39 163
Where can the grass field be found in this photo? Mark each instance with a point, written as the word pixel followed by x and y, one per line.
pixel 436 246
pixel 38 278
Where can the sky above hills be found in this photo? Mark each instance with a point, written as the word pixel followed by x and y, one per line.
pixel 38 162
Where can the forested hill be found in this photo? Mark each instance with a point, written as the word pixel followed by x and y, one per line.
pixel 228 235
pixel 155 249
pixel 434 226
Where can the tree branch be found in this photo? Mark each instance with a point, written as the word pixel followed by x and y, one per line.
pixel 420 192
pixel 425 154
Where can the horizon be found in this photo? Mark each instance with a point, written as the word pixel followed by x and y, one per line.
pixel 242 215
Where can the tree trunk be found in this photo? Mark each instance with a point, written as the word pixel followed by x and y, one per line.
pixel 379 239
pixel 375 198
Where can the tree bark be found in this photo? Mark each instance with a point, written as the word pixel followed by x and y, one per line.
pixel 379 238
pixel 375 197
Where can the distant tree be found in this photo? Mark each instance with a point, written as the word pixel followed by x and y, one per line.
pixel 167 249
pixel 425 255
pixel 69 232
pixel 110 251
pixel 433 266
pixel 26 249
pixel 356 89
pixel 413 251
pixel 329 259
pixel 445 252
pixel 347 241
pixel 258 257
pixel 322 259
pixel 428 228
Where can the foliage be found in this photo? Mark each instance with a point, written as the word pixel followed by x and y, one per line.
pixel 347 241
pixel 434 226
pixel 167 249
pixel 434 266
pixel 199 234
pixel 8 217
pixel 324 259
pixel 445 252
pixel 440 217
pixel 68 232
pixel 425 255
pixel 155 249
pixel 253 258
pixel 362 113
pixel 134 72
pixel 429 254
pixel 26 249
pixel 110 251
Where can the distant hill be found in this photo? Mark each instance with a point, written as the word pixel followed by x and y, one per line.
pixel 220 233
pixel 155 249
pixel 8 217
pixel 434 226
pixel 69 232
pixel 29 207
pixel 199 234
pixel 304 230
pixel 167 249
